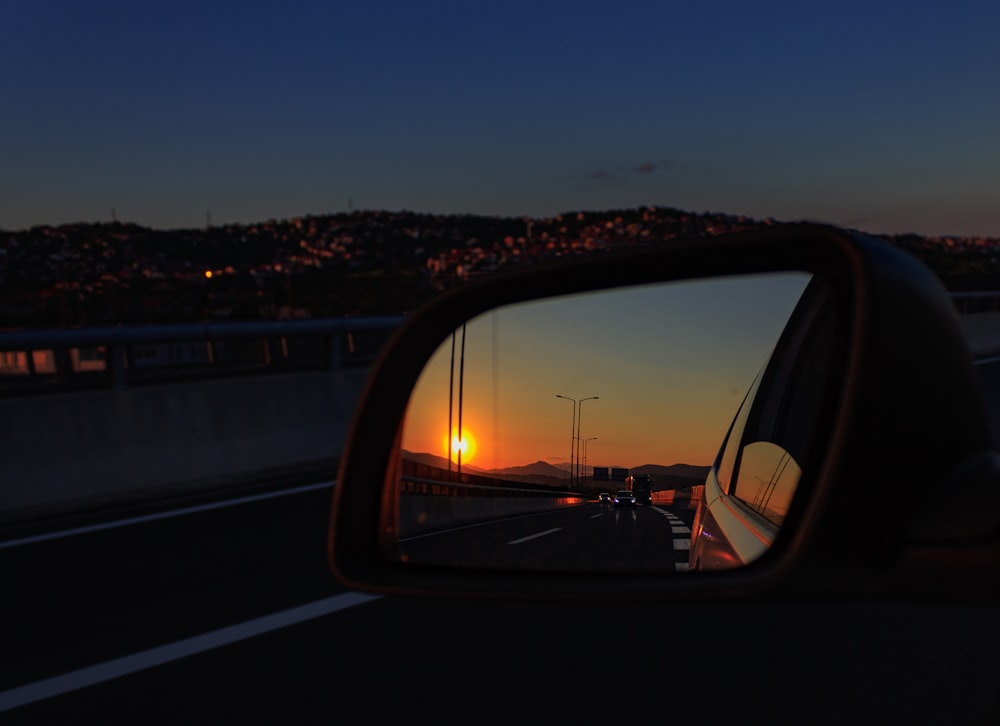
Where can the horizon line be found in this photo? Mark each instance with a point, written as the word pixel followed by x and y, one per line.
pixel 444 459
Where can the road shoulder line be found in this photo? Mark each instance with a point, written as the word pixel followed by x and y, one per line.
pixel 126 665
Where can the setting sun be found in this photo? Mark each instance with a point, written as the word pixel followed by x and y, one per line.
pixel 466 446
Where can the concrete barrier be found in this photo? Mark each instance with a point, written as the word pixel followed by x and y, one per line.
pixel 422 513
pixel 73 451
pixel 90 449
pixel 431 498
pixel 983 333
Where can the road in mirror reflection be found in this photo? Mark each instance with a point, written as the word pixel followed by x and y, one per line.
pixel 526 415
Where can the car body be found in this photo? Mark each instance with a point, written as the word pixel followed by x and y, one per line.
pixel 625 498
pixel 750 485
pixel 867 541
pixel 832 401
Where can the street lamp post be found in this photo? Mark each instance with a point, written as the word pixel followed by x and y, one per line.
pixel 579 415
pixel 451 403
pixel 461 387
pixel 451 393
pixel 572 436
pixel 592 438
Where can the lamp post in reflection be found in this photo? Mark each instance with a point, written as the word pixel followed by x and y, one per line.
pixel 579 415
pixel 572 436
pixel 451 394
pixel 451 390
pixel 461 387
pixel 592 438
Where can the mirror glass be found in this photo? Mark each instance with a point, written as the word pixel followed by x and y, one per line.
pixel 576 433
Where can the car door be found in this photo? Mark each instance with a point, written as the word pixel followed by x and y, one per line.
pixel 751 484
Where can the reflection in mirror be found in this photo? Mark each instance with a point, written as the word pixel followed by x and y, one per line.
pixel 767 479
pixel 531 424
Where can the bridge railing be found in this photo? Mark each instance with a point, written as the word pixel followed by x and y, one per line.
pixel 50 361
pixel 969 303
pixel 431 498
pixel 57 360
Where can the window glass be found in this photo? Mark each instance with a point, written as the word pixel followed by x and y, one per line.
pixel 767 472
pixel 13 362
pixel 767 479
pixel 89 359
pixel 44 361
pixel 727 462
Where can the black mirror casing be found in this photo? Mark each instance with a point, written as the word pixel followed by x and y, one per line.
pixel 881 448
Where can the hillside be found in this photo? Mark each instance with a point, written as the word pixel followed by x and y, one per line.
pixel 673 476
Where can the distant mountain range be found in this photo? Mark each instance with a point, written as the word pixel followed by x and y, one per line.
pixel 440 462
pixel 664 477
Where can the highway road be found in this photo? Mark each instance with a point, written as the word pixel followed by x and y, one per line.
pixel 224 611
pixel 227 610
pixel 591 538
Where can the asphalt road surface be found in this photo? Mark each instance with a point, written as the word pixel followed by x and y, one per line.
pixel 225 612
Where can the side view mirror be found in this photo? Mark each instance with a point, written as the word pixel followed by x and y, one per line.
pixel 486 480
pixel 735 404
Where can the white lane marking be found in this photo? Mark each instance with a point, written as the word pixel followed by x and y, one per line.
pixel 162 515
pixel 126 665
pixel 986 361
pixel 488 523
pixel 677 526
pixel 535 536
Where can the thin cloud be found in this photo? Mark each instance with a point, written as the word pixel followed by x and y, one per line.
pixel 651 167
pixel 625 172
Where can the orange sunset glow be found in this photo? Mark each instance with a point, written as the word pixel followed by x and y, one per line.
pixel 644 375
pixel 464 445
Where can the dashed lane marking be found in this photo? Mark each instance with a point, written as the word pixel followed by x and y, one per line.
pixel 682 538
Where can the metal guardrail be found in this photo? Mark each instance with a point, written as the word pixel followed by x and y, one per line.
pixel 443 501
pixel 976 302
pixel 34 361
pixel 57 360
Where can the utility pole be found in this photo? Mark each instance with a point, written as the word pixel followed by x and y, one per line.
pixel 579 415
pixel 451 393
pixel 572 437
pixel 452 437
pixel 461 384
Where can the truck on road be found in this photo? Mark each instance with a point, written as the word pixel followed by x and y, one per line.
pixel 642 488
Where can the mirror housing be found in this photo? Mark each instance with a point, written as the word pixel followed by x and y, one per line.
pixel 885 447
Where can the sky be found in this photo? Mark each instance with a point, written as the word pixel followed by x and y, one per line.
pixel 876 115
pixel 653 374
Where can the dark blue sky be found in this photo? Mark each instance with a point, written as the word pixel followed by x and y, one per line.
pixel 877 115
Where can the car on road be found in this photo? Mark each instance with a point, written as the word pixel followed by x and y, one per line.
pixel 624 498
pixel 604 498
